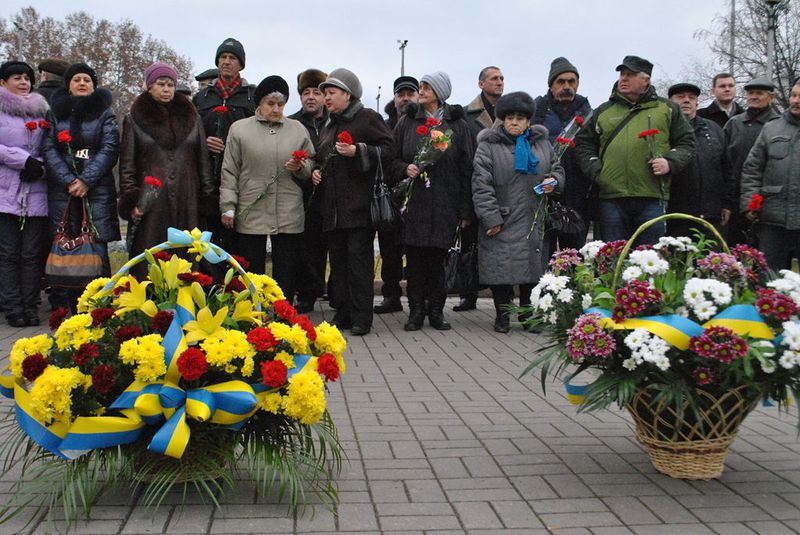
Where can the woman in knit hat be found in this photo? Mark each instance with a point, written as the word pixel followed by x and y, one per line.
pixel 260 196
pixel 438 201
pixel 163 138
pixel 82 166
pixel 23 193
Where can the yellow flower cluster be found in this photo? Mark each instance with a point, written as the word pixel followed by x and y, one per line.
pixel 271 402
pixel 147 354
pixel 75 331
pixel 268 290
pixel 92 289
pixel 295 335
pixel 24 348
pixel 286 358
pixel 305 397
pixel 51 394
pixel 330 340
pixel 222 349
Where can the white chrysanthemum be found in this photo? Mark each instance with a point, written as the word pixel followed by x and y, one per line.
pixel 565 295
pixel 629 364
pixel 545 302
pixel 586 301
pixel 631 273
pixel 552 318
pixel 662 363
pixel 637 338
pixel 536 294
pixel 791 335
pixel 558 284
pixel 788 360
pixel 590 250
pixel 768 366
pixel 704 310
pixel 721 293
pixel 650 262
pixel 693 291
pixel 657 347
pixel 682 312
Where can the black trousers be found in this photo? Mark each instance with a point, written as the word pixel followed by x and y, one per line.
pixel 286 251
pixel 503 294
pixel 469 238
pixel 352 273
pixel 391 248
pixel 21 262
pixel 425 275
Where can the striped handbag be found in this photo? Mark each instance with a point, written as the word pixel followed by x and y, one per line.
pixel 74 262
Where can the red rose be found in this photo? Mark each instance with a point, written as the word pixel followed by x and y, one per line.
pixel 345 137
pixel 161 321
pixel 755 203
pixel 57 317
pixel 153 181
pixel 127 332
pixel 422 130
pixel 242 261
pixel 326 365
pixel 308 326
pixel 64 137
pixel 31 125
pixel 300 155
pixel 85 353
pixel 192 364
pixel 220 109
pixel 44 124
pixel 432 121
pixel 285 310
pixel 163 255
pixel 33 366
pixel 101 315
pixel 262 339
pixel 103 379
pixel 274 373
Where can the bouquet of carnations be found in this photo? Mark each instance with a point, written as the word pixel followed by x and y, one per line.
pixel 432 144
pixel 175 380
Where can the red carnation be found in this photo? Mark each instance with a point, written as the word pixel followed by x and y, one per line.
pixel 274 373
pixel 648 133
pixel 242 261
pixel 565 141
pixel 579 120
pixel 124 288
pixel 422 130
pixel 101 315
pixel 103 379
pixel 163 255
pixel 33 366
pixel 201 278
pixel 153 181
pixel 326 365
pixel 127 332
pixel 300 155
pixel 345 137
pixel 30 125
pixel 161 321
pixel 262 339
pixel 64 137
pixel 236 285
pixel 44 124
pixel 285 310
pixel 308 326
pixel 57 317
pixel 85 353
pixel 220 109
pixel 755 203
pixel 192 364
pixel 432 121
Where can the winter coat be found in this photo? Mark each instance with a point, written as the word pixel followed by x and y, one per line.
pixel 391 113
pixel 347 183
pixel 432 213
pixel 94 150
pixel 716 114
pixel 255 155
pixel 165 141
pixel 313 126
pixel 17 144
pixel 477 117
pixel 741 133
pixel 555 118
pixel 503 196
pixel 773 170
pixel 699 188
pixel 48 88
pixel 623 168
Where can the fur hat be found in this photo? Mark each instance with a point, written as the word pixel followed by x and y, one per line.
pixel 55 66
pixel 10 68
pixel 310 78
pixel 269 85
pixel 79 68
pixel 519 102
pixel 344 80
pixel 560 65
pixel 440 83
pixel 234 47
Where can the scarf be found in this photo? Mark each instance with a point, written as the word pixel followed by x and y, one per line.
pixel 524 159
pixel 227 90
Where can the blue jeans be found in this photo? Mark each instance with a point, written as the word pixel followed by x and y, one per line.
pixel 619 219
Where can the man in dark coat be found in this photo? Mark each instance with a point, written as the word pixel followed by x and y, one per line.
pixel 698 189
pixel 205 78
pixel 51 76
pixel 741 133
pixel 555 110
pixel 223 102
pixel 724 106
pixel 313 114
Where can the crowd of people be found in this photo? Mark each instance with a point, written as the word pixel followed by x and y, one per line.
pixel 230 160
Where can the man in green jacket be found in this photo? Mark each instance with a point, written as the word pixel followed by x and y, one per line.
pixel 630 148
pixel 772 170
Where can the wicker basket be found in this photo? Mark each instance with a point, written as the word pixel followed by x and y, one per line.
pixel 684 447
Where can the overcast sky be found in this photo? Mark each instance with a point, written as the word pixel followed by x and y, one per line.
pixel 520 36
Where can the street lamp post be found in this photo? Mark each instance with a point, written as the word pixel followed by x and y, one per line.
pixel 403 43
pixel 772 25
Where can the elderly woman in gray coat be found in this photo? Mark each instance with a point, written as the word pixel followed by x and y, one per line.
pixel 511 159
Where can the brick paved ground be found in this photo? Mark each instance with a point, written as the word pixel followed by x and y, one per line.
pixel 443 439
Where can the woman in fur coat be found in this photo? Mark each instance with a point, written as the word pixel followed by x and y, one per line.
pixel 23 193
pixel 162 138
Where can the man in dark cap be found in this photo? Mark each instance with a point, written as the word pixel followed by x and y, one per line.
pixel 205 78
pixel 555 110
pixel 741 133
pixel 221 104
pixel 614 151
pixel 703 188
pixel 406 91
pixel 724 106
pixel 51 76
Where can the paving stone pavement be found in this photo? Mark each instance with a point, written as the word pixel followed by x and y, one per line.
pixel 443 438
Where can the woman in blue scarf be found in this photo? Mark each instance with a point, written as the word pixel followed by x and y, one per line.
pixel 511 160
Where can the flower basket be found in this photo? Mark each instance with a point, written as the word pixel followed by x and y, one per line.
pixel 689 445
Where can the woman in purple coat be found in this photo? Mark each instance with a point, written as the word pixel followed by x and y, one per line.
pixel 23 193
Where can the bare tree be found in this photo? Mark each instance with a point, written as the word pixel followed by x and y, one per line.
pixel 749 57
pixel 119 52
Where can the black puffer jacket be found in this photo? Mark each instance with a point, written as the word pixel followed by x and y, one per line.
pixel 432 213
pixel 95 148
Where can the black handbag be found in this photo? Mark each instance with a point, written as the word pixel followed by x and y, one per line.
pixel 563 219
pixel 384 213
pixel 460 266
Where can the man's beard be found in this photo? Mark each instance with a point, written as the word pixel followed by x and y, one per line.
pixel 565 95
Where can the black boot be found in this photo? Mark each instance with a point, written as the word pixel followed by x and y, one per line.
pixel 501 321
pixel 416 315
pixel 436 315
pixel 466 303
pixel 389 304
pixel 501 294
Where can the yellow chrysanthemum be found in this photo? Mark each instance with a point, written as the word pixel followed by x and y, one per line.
pixel 147 354
pixel 75 331
pixel 226 346
pixel 24 348
pixel 286 358
pixel 271 402
pixel 268 290
pixel 305 397
pixel 295 335
pixel 92 289
pixel 330 340
pixel 51 394
pixel 248 367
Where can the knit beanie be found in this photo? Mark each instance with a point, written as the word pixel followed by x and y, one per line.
pixel 519 102
pixel 158 70
pixel 234 47
pixel 558 66
pixel 310 78
pixel 344 80
pixel 440 83
pixel 79 68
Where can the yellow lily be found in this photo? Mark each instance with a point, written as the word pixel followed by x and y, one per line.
pixel 198 245
pixel 244 312
pixel 173 268
pixel 205 325
pixel 136 299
